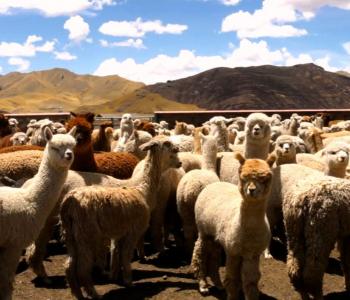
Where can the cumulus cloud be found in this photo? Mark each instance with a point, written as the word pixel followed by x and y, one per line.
pixel 64 55
pixel 163 67
pixel 139 28
pixel 78 28
pixel 274 17
pixel 346 46
pixel 53 8
pixel 133 43
pixel 27 49
pixel 22 64
pixel 230 2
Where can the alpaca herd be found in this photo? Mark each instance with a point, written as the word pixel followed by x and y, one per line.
pixel 223 191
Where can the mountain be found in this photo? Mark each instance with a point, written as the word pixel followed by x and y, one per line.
pixel 262 87
pixel 61 90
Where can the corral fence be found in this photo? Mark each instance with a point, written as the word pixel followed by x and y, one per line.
pixel 199 117
pixel 24 118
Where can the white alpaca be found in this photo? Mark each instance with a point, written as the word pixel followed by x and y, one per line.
pixel 121 214
pixel 190 186
pixel 234 217
pixel 23 211
pixel 19 138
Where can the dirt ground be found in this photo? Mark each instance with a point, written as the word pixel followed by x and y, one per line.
pixel 168 277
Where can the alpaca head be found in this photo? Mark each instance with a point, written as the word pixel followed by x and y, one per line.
pixel 255 177
pixel 312 139
pixel 208 144
pixel 126 122
pixel 285 147
pixel 167 152
pixel 84 127
pixel 19 138
pixel 258 127
pixel 60 148
pixel 180 127
pixel 336 155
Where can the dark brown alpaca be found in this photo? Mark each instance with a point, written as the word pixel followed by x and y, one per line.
pixel 119 165
pixel 146 126
pixel 101 141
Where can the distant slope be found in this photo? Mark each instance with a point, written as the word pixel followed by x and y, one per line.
pixel 263 87
pixel 62 90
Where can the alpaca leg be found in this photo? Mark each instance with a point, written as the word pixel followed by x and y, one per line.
pixel 9 258
pixel 344 249
pixel 156 228
pixel 37 251
pixel 232 281
pixel 128 245
pixel 199 264
pixel 250 277
pixel 114 261
pixel 214 264
pixel 190 234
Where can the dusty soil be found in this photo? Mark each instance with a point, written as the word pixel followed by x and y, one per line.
pixel 168 277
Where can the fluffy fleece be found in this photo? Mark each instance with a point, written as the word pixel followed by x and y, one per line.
pixel 285 150
pixel 105 214
pixel 234 217
pixel 101 141
pixel 24 210
pixel 119 165
pixel 190 186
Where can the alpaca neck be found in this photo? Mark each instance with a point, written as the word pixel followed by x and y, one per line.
pixel 252 214
pixel 339 172
pixel 209 161
pixel 46 186
pixel 197 148
pixel 257 149
pixel 150 177
pixel 84 159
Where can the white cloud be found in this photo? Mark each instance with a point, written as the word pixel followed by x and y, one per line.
pixel 139 28
pixel 22 64
pixel 274 17
pixel 78 28
pixel 346 46
pixel 64 55
pixel 53 8
pixel 27 49
pixel 133 43
pixel 230 2
pixel 163 67
pixel 1 69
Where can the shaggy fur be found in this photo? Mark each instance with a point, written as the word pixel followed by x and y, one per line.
pixel 100 141
pixel 147 126
pixel 312 139
pixel 105 213
pixel 190 186
pixel 285 150
pixel 24 210
pixel 235 219
pixel 119 165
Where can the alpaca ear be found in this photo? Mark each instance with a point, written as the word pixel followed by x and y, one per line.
pixel 90 117
pixel 149 145
pixel 73 131
pixel 239 157
pixel 48 134
pixel 271 159
pixel 72 114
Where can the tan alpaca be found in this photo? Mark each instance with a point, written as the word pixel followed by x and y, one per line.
pixel 234 217
pixel 105 213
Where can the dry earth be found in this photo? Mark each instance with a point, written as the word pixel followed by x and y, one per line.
pixel 168 277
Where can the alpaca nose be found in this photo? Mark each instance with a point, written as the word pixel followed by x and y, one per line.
pixel 179 164
pixel 342 156
pixel 69 155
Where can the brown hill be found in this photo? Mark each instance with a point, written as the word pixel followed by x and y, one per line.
pixel 263 87
pixel 61 90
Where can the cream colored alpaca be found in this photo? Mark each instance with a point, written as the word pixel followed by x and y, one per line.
pixel 91 216
pixel 234 217
pixel 23 211
pixel 285 150
pixel 191 184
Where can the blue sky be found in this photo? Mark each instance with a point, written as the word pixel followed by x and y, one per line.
pixel 159 40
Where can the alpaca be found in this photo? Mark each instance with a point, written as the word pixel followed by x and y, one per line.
pixel 20 148
pixel 19 138
pixel 234 218
pixel 105 213
pixel 100 141
pixel 24 210
pixel 219 130
pixel 5 128
pixel 312 139
pixel 190 186
pixel 147 127
pixel 119 165
pixel 258 134
pixel 285 150
pixel 126 125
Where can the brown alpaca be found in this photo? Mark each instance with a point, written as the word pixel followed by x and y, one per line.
pixel 101 141
pixel 20 148
pixel 119 165
pixel 180 128
pixel 5 128
pixel 146 126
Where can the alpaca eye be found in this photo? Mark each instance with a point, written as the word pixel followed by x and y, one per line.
pixel 55 149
